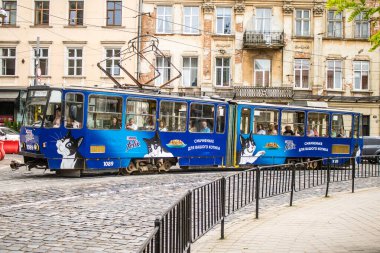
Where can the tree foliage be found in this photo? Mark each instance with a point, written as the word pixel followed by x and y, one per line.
pixel 370 8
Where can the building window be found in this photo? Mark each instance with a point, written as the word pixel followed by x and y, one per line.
pixel 113 59
pixel 44 60
pixel 164 19
pixel 361 74
pixel 262 73
pixel 8 61
pixel 361 26
pixel 302 22
pixel 334 74
pixel 223 20
pixel 301 73
pixel 334 24
pixel 263 19
pixel 114 13
pixel 41 13
pixel 75 61
pixel 191 20
pixel 75 13
pixel 190 71
pixel 223 74
pixel 163 67
pixel 10 8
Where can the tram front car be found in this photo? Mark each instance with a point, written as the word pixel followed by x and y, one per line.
pixel 42 129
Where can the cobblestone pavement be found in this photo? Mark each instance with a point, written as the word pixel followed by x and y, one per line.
pixel 44 213
pixel 345 222
pixel 40 212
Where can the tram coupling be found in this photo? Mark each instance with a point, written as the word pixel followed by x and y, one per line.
pixel 15 165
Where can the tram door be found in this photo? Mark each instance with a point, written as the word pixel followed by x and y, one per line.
pixel 73 111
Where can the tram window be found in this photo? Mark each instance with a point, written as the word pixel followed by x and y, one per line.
pixel 266 122
pixel 73 110
pixel 141 114
pixel 102 110
pixel 201 118
pixel 220 119
pixel 53 111
pixel 341 125
pixel 35 107
pixel 245 121
pixel 173 116
pixel 317 124
pixel 293 123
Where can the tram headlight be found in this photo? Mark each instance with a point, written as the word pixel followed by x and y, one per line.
pixel 44 144
pixel 36 147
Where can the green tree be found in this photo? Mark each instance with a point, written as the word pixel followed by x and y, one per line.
pixel 370 8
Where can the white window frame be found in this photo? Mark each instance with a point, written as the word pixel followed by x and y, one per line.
pixel 75 58
pixel 302 21
pixel 187 71
pixel 337 19
pixel 222 68
pixel 361 71
pixel 359 20
pixel 113 59
pixel 262 70
pixel 226 13
pixel 164 68
pixel 335 70
pixel 166 19
pixel 7 57
pixel 304 65
pixel 264 19
pixel 191 27
pixel 42 57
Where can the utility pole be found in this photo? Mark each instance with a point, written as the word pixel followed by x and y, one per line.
pixel 37 62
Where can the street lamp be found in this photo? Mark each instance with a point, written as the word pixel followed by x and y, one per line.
pixel 3 13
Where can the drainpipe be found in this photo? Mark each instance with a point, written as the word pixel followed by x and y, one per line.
pixel 139 39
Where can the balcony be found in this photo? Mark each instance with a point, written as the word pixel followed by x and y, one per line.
pixel 254 40
pixel 249 92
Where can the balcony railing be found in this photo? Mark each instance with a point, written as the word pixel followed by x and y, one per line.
pixel 247 92
pixel 254 39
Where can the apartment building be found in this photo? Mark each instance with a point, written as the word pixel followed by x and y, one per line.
pixel 267 51
pixel 73 37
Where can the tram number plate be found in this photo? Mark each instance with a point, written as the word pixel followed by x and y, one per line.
pixel 108 163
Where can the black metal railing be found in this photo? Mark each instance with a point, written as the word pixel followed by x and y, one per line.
pixel 254 39
pixel 249 92
pixel 202 208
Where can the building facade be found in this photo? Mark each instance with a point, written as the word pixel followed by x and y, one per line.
pixel 267 51
pixel 73 37
pixel 262 51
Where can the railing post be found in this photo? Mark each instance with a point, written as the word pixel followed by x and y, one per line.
pixel 257 192
pixel 223 205
pixel 189 213
pixel 353 173
pixel 157 244
pixel 293 183
pixel 328 177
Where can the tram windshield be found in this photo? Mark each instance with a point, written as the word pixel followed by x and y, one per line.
pixel 35 107
pixel 39 102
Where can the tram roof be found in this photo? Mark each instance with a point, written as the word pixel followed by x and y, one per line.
pixel 294 107
pixel 131 91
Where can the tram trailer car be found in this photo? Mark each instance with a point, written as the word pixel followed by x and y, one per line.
pixel 70 130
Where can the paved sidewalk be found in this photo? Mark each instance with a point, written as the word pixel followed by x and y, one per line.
pixel 343 222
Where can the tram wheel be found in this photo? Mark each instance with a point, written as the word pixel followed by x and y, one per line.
pixel 131 168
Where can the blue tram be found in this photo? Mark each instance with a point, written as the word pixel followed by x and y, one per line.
pixel 70 130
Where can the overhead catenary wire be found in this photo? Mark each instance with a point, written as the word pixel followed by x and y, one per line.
pixel 185 44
